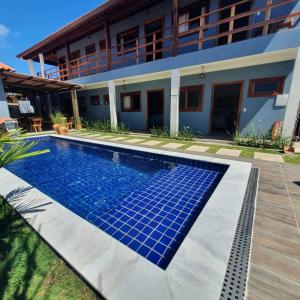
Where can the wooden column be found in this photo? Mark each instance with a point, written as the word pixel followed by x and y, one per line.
pixel 202 23
pixel 67 49
pixel 231 24
pixel 267 17
pixel 75 110
pixel 175 27
pixel 107 45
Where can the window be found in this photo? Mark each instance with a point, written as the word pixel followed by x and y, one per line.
pixel 90 49
pixel 74 55
pixel 264 87
pixel 102 45
pixel 94 100
pixel 131 102
pixel 190 12
pixel 127 40
pixel 191 98
pixel 106 99
pixel 81 105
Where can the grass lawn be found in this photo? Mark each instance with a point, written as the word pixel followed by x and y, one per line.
pixel 29 268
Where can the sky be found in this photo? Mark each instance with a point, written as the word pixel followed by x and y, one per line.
pixel 25 22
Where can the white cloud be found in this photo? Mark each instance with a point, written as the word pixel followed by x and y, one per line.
pixel 4 32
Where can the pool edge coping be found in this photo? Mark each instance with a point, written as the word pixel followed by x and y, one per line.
pixel 181 278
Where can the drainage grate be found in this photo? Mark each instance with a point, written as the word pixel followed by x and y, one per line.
pixel 234 284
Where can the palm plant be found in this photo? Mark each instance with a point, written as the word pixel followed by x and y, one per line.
pixel 14 147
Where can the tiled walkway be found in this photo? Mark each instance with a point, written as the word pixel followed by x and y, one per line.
pixel 275 253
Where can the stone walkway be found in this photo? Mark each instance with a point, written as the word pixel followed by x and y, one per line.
pixel 229 152
pixel 173 145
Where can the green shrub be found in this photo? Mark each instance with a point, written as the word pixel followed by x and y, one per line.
pixel 183 134
pixel 256 139
pixel 159 132
pixel 58 118
pixel 105 126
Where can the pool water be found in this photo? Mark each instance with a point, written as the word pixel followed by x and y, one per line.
pixel 146 201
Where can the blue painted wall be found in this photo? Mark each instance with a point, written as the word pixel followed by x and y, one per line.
pixel 96 112
pixel 259 112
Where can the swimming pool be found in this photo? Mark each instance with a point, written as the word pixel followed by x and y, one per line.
pixel 147 201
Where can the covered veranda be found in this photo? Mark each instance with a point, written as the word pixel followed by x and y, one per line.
pixel 35 92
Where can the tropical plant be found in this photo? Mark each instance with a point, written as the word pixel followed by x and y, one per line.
pixel 58 118
pixel 183 134
pixel 13 147
pixel 159 132
pixel 97 125
pixel 255 138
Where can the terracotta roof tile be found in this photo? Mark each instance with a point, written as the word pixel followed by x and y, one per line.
pixel 5 67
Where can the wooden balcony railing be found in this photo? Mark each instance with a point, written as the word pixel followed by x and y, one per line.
pixel 192 35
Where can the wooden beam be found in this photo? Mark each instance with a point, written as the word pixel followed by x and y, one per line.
pixel 75 109
pixel 231 24
pixel 267 17
pixel 67 49
pixel 107 45
pixel 202 23
pixel 175 26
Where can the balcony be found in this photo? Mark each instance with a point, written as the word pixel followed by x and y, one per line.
pixel 222 26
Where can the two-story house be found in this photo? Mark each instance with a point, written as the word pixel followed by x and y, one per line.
pixel 212 65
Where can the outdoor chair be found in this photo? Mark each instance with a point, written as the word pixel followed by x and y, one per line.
pixel 36 124
pixel 70 123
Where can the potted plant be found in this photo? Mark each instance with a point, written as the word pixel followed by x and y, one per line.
pixel 63 129
pixel 59 122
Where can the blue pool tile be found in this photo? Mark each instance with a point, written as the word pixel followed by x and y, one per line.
pixel 154 257
pixel 150 242
pixel 144 250
pixel 141 237
pixel 146 201
pixel 133 232
pixel 134 245
pixel 156 235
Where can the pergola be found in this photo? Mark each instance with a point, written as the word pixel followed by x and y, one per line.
pixel 20 83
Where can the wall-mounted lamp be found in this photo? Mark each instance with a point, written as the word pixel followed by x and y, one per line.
pixel 202 74
pixel 124 85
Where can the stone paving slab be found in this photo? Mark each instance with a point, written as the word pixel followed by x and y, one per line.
pixel 229 152
pixel 172 145
pixel 119 138
pixel 268 157
pixel 151 143
pixel 133 141
pixel 105 136
pixel 197 148
pixel 297 147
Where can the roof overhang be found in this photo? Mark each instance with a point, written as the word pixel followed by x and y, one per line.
pixel 111 11
pixel 21 83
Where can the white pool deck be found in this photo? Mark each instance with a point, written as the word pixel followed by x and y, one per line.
pixel 196 271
